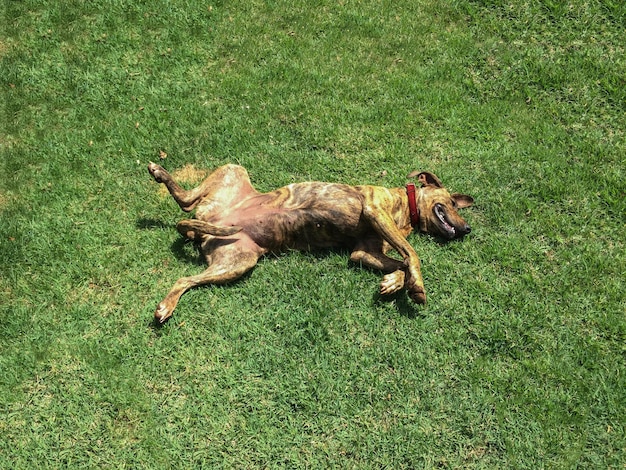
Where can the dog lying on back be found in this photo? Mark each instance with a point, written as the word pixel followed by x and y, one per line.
pixel 236 225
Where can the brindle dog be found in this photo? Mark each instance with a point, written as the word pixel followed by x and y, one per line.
pixel 235 225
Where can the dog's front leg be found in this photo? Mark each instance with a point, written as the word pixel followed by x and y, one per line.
pixel 384 224
pixel 370 253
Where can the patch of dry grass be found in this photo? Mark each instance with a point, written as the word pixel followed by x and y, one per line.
pixel 188 175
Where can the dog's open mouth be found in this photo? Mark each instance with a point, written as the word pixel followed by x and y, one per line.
pixel 444 225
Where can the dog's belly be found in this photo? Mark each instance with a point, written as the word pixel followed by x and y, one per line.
pixel 301 216
pixel 302 230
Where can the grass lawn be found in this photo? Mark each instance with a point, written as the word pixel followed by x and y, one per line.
pixel 518 359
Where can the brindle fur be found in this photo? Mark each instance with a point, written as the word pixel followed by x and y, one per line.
pixel 236 225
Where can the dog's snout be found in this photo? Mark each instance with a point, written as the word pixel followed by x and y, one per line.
pixel 466 229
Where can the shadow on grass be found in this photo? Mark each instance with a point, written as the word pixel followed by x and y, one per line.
pixel 151 224
pixel 400 299
pixel 187 251
pixel 180 247
pixel 405 307
pixel 156 327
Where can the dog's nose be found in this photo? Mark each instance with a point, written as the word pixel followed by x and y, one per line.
pixel 466 229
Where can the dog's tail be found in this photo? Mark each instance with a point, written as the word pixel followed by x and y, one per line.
pixel 195 229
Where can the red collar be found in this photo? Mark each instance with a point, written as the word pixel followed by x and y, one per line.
pixel 413 209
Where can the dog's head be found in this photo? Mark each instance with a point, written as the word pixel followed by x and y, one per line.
pixel 438 208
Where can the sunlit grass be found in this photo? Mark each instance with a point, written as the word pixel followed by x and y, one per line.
pixel 516 361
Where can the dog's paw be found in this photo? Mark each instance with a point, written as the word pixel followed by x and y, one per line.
pixel 156 171
pixel 415 286
pixel 162 313
pixel 392 282
pixel 417 295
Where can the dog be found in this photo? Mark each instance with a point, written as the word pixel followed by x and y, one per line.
pixel 235 225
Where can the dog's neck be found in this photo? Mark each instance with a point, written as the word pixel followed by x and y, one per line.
pixel 414 211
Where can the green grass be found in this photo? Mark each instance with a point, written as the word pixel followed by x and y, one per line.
pixel 516 362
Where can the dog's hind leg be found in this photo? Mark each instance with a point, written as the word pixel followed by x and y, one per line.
pixel 227 264
pixel 218 190
pixel 187 200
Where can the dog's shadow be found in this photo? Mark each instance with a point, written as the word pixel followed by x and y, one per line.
pixel 402 304
pixel 183 250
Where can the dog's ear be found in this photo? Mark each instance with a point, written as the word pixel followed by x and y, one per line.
pixel 426 178
pixel 462 200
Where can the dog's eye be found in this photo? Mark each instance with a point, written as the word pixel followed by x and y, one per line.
pixel 454 204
